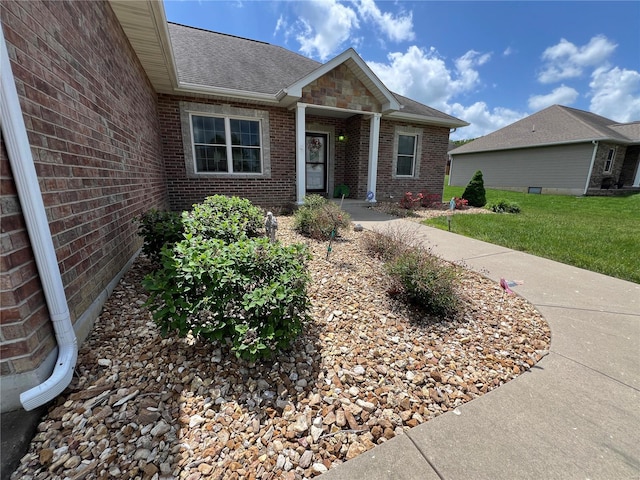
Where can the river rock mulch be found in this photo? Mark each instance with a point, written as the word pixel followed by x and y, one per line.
pixel 366 369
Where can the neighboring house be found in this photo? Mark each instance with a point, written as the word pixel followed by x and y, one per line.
pixel 557 150
pixel 108 111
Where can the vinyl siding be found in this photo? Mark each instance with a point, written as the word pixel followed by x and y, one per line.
pixel 558 168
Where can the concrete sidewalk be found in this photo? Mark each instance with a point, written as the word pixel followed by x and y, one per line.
pixel 575 415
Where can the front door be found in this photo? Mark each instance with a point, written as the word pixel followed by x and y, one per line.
pixel 316 162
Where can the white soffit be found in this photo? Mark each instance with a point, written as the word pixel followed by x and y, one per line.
pixel 145 25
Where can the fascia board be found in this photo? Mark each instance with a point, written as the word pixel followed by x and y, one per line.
pixel 162 28
pixel 226 92
pixel 550 144
pixel 412 117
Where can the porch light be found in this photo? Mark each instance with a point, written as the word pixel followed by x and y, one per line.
pixel 341 137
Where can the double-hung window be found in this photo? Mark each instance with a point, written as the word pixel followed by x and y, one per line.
pixel 224 144
pixel 406 159
pixel 608 163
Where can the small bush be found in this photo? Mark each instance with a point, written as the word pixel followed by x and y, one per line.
pixel 409 202
pixel 392 242
pixel 504 206
pixel 159 229
pixel 431 200
pixel 461 203
pixel 475 193
pixel 317 217
pixel 424 281
pixel 251 293
pixel 226 218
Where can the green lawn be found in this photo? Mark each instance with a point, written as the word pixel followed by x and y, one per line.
pixel 601 234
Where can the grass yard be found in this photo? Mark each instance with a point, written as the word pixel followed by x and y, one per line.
pixel 601 234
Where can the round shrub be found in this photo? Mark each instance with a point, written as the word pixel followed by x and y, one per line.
pixel 317 217
pixel 475 193
pixel 251 293
pixel 424 281
pixel 226 218
pixel 504 206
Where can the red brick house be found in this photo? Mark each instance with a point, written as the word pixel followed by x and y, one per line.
pixel 108 110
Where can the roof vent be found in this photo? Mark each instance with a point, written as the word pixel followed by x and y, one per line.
pixel 533 128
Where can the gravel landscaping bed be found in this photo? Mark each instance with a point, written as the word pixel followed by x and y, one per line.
pixel 366 369
pixel 423 213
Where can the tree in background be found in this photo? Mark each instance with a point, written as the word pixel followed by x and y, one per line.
pixel 475 193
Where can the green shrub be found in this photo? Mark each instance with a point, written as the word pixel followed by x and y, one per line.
pixel 158 229
pixel 250 293
pixel 424 281
pixel 504 206
pixel 226 218
pixel 475 193
pixel 317 217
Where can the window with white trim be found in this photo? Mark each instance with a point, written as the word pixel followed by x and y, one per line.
pixel 225 141
pixel 608 163
pixel 407 149
pixel 223 144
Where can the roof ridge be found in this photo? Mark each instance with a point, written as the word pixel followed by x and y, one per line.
pixel 221 33
pixel 620 124
pixel 578 117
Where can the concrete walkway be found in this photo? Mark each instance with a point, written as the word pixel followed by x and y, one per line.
pixel 575 415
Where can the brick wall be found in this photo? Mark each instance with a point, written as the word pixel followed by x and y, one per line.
pixel 277 191
pixel 433 161
pixel 91 117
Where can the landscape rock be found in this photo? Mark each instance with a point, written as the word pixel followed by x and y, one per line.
pixel 366 369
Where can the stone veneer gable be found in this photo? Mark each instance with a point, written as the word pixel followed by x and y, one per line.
pixel 342 89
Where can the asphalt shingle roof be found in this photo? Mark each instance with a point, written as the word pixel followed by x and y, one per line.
pixel 218 60
pixel 553 125
pixel 417 108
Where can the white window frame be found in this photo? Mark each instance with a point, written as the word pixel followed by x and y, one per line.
pixel 608 162
pixel 408 132
pixel 188 110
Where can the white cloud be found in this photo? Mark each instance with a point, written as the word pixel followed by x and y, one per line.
pixel 562 95
pixel 397 28
pixel 483 120
pixel 468 77
pixel 424 76
pixel 616 94
pixel 508 51
pixel 566 60
pixel 324 26
pixel 418 74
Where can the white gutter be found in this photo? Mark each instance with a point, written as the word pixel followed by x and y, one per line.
pixel 15 137
pixel 593 159
pixel 184 87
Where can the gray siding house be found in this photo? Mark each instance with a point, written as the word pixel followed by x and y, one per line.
pixel 559 150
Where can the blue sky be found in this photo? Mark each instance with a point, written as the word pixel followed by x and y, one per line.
pixel 488 63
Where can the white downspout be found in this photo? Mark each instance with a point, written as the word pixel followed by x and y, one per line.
pixel 593 159
pixel 374 141
pixel 24 173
